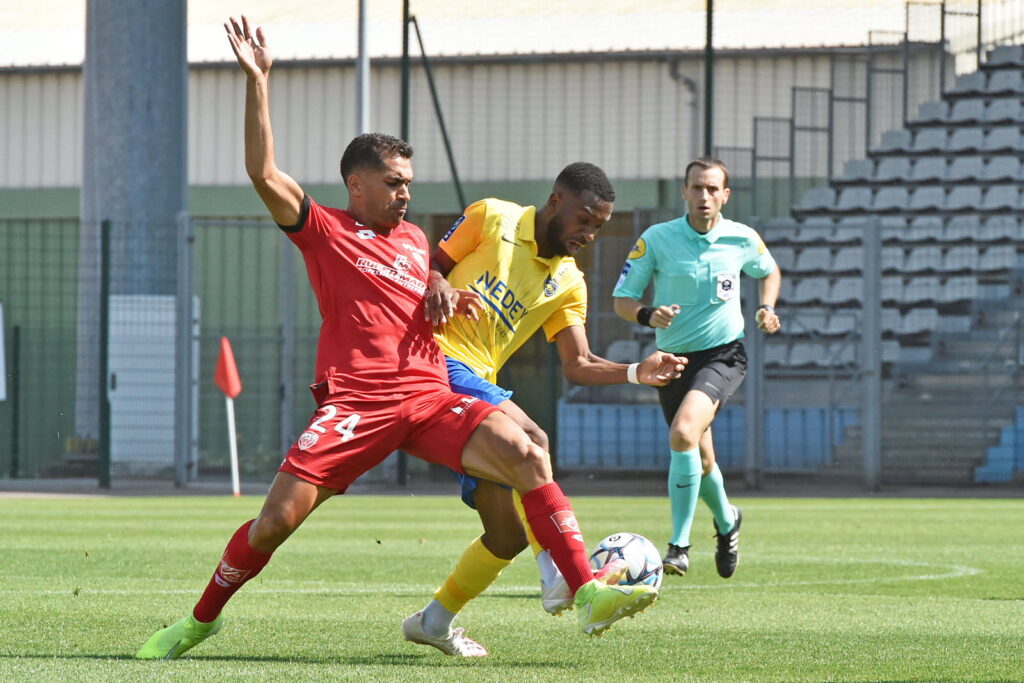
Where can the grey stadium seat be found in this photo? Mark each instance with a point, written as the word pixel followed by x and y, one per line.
pixel 776 353
pixel 959 289
pixel 930 140
pixel 805 354
pixel 967 111
pixel 927 199
pixel 965 168
pixel 918 321
pixel 1006 55
pixel 1005 82
pixel 890 200
pixel 623 351
pixel 997 259
pixel 784 256
pixel 841 324
pixel 809 290
pixel 934 111
pixel 892 288
pixel 966 140
pixel 922 290
pixel 854 199
pixel 846 291
pixel 892 259
pixel 929 169
pixel 1003 110
pixel 848 260
pixel 964 198
pixel 817 199
pixel 965 228
pixel 813 260
pixel 1002 168
pixel 857 170
pixel 841 353
pixel 1003 139
pixel 923 260
pixel 961 260
pixel 895 141
pixel 1001 197
pixel 970 84
pixel 807 323
pixel 892 168
pixel 891 320
pixel 813 234
pixel 849 233
pixel 1001 229
pixel 890 351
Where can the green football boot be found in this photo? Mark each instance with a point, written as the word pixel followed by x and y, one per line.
pixel 600 605
pixel 178 638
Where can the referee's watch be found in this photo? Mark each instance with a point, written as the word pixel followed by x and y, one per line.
pixel 770 309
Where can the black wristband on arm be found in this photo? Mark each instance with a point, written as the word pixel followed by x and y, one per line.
pixel 643 316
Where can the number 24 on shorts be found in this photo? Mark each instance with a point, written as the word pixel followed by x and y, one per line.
pixel 346 427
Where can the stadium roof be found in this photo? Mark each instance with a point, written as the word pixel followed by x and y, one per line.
pixel 51 32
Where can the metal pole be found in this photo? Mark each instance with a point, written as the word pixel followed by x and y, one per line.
pixel 362 76
pixel 709 90
pixel 104 360
pixel 754 395
pixel 15 389
pixel 287 361
pixel 183 376
pixel 979 46
pixel 871 357
pixel 405 71
pixel 942 47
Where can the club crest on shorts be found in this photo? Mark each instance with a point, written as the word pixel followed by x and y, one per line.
pixel 307 440
pixel 466 401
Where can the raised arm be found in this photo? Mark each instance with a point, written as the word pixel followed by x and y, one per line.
pixel 279 192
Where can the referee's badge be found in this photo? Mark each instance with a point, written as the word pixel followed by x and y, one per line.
pixel 728 283
pixel 639 249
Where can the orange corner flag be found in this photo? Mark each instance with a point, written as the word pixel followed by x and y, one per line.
pixel 226 377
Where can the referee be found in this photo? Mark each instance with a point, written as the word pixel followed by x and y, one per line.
pixel 695 262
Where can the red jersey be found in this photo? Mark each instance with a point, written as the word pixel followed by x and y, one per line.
pixel 369 288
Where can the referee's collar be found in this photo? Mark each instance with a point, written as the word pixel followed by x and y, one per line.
pixel 710 236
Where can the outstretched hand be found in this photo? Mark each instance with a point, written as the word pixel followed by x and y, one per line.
pixel 660 368
pixel 767 321
pixel 443 302
pixel 251 48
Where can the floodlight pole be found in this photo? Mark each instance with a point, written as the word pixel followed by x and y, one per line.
pixel 362 76
pixel 405 71
pixel 709 79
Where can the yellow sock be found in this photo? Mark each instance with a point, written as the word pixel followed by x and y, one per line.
pixel 537 549
pixel 474 572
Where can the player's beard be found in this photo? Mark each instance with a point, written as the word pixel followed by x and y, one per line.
pixel 554 240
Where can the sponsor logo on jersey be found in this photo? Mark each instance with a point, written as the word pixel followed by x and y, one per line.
pixel 451 230
pixel 566 522
pixel 366 234
pixel 307 440
pixel 402 263
pixel 623 274
pixel 502 300
pixel 387 272
pixel 639 249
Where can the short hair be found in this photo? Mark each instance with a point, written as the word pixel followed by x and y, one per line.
pixel 370 150
pixel 706 163
pixel 581 176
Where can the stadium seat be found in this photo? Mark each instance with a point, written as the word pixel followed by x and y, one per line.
pixel 929 169
pixel 1003 139
pixel 891 321
pixel 849 233
pixel 848 260
pixel 840 354
pixel 966 140
pixel 963 259
pixel 623 351
pixel 927 199
pixel 964 198
pixel 892 288
pixel 846 291
pixel 854 199
pixel 930 140
pixel 841 324
pixel 813 260
pixel 892 168
pixel 784 256
pixel 807 323
pixel 921 290
pixel 892 259
pixel 934 111
pixel 895 141
pixel 809 290
pixel 923 260
pixel 970 84
pixel 963 168
pixel 890 351
pixel 965 228
pixel 918 321
pixel 776 353
pixel 1006 55
pixel 1005 82
pixel 817 199
pixel 967 111
pixel 804 354
pixel 893 228
pixel 1002 168
pixel 1001 229
pixel 857 170
pixel 998 259
pixel 813 234
pixel 890 200
pixel 1000 198
pixel 924 229
pixel 1003 110
pixel 959 289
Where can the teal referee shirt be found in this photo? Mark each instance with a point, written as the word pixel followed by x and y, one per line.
pixel 699 272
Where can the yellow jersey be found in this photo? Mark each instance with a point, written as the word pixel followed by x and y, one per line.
pixel 495 255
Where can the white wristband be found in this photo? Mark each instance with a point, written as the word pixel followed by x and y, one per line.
pixel 631 373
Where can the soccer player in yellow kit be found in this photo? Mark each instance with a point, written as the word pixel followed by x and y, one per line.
pixel 519 260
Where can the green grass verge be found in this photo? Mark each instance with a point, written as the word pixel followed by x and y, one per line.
pixel 827 589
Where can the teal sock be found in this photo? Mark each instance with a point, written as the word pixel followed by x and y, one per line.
pixel 683 488
pixel 712 492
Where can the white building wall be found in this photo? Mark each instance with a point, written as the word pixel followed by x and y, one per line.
pixel 508 121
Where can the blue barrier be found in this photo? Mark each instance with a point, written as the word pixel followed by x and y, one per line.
pixel 1005 461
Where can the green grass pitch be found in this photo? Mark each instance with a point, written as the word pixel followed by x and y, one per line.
pixel 827 589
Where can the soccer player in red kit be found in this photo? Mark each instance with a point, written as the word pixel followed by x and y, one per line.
pixel 381 381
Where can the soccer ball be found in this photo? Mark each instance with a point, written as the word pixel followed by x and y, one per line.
pixel 642 558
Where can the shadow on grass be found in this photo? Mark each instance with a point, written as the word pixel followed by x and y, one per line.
pixel 383 659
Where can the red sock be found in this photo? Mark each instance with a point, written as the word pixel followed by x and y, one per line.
pixel 554 524
pixel 239 563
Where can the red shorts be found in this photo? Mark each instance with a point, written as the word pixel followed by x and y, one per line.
pixel 349 434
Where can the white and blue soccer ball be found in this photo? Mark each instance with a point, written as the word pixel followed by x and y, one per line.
pixel 642 558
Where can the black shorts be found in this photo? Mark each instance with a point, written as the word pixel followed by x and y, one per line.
pixel 717 372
